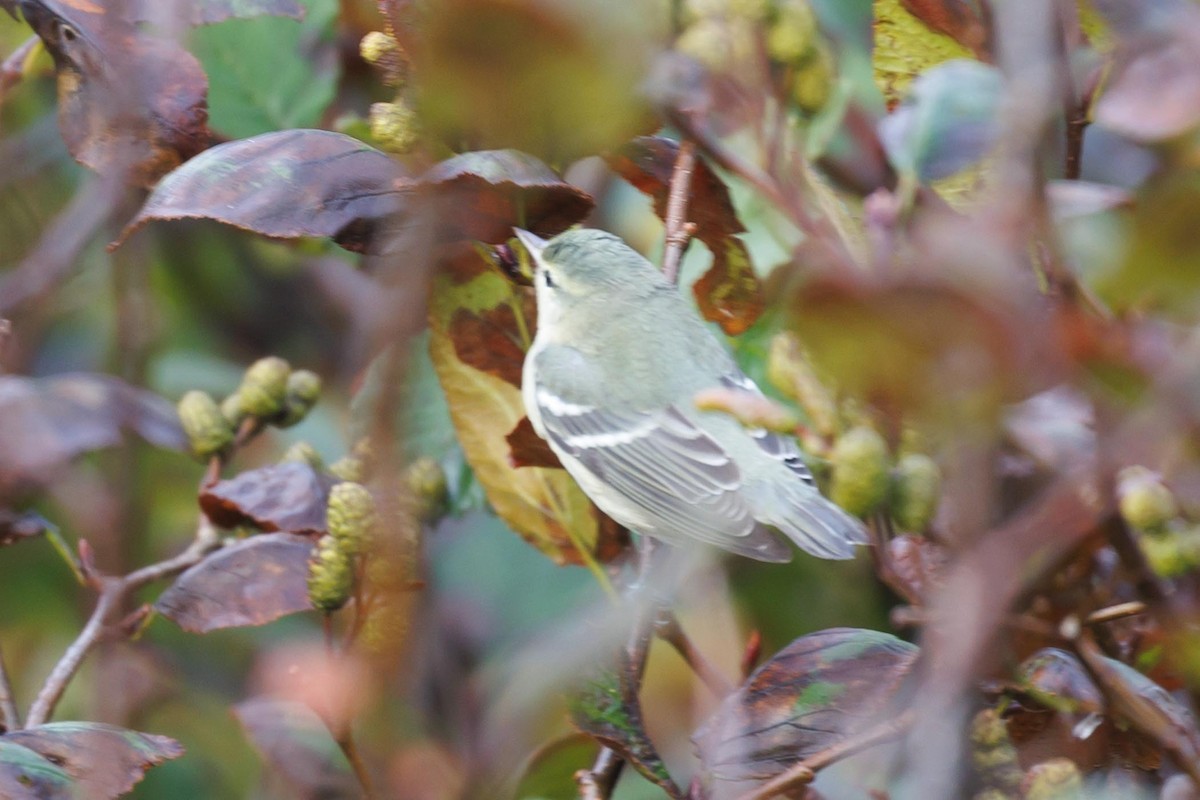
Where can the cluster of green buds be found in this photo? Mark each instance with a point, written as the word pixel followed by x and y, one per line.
pixel 271 392
pixel 865 477
pixel 394 125
pixel 994 757
pixel 351 522
pixel 729 36
pixel 1171 544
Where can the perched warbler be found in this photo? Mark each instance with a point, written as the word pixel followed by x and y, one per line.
pixel 608 383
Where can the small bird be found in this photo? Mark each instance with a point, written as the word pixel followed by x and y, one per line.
pixel 608 383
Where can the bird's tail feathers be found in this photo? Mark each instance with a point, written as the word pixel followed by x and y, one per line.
pixel 814 523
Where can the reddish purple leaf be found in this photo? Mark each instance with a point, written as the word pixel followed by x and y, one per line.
pixel 25 775
pixel 130 103
pixel 46 422
pixel 483 195
pixel 527 449
pixel 286 184
pixel 283 497
pixel 104 760
pixel 251 583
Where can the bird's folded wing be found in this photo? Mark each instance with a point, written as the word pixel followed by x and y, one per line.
pixel 660 461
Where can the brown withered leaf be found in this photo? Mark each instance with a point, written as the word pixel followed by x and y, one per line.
pixel 129 103
pixel 104 760
pixel 493 340
pixel 965 22
pixel 286 184
pixel 46 422
pixel 818 690
pixel 250 583
pixel 527 449
pixel 482 195
pixel 730 293
pixel 542 505
pixel 281 497
pixel 26 775
pixel 297 745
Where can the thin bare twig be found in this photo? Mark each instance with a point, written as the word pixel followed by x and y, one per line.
pixel 803 773
pixel 598 782
pixel 113 593
pixel 1120 611
pixel 679 230
pixel 10 718
pixel 669 630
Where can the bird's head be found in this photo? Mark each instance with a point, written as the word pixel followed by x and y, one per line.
pixel 585 262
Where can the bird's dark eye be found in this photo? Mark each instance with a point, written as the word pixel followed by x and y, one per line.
pixel 68 33
pixel 546 277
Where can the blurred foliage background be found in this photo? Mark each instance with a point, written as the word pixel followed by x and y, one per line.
pixel 930 337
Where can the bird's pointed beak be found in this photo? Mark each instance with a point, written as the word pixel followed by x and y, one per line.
pixel 533 243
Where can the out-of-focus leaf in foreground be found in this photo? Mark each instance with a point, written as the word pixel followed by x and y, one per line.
pixel 947 121
pixel 286 184
pixel 550 772
pixel 129 103
pixel 25 775
pixel 730 293
pixel 1154 94
pixel 284 497
pixel 481 326
pixel 819 690
pixel 46 422
pixel 1161 267
pixel 483 194
pixel 538 76
pixel 939 348
pixel 296 744
pixel 105 761
pixel 250 583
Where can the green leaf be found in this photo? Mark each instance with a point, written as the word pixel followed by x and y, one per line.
pixel 270 73
pixel 550 772
pixel 947 122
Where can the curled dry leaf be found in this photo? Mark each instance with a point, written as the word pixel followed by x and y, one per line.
pixel 815 692
pixel 25 775
pixel 250 583
pixel 129 103
pixel 46 422
pixel 542 505
pixel 730 293
pixel 482 195
pixel 284 497
pixel 297 745
pixel 104 761
pixel 286 184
